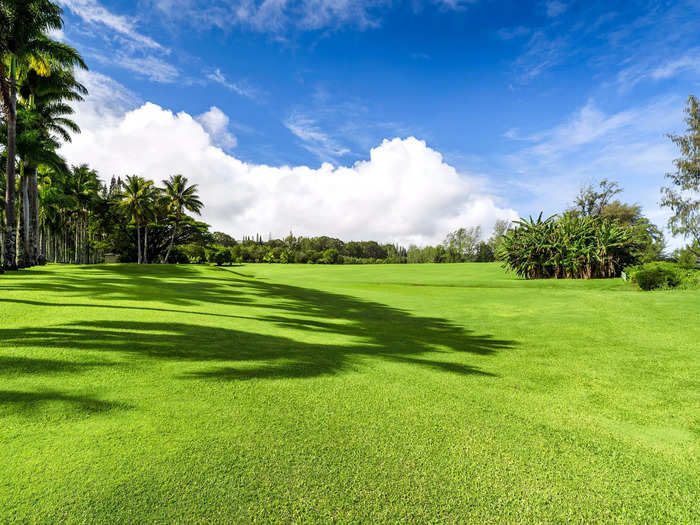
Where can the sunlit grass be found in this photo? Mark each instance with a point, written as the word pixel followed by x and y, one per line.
pixel 366 393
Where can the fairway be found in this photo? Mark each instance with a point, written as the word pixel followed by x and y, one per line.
pixel 306 393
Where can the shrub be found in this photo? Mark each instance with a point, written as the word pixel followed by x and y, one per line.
pixel 570 246
pixel 655 276
pixel 221 257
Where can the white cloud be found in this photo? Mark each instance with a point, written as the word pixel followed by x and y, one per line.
pixel 688 62
pixel 313 139
pixel 664 68
pixel 541 54
pixel 216 123
pixel 57 34
pixel 153 68
pixel 92 12
pixel 237 87
pixel 279 16
pixel 404 192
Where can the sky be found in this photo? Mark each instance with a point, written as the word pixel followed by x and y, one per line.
pixel 385 120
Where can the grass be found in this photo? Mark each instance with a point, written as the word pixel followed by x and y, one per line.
pixel 416 393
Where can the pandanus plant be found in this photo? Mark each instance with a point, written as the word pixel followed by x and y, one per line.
pixel 567 246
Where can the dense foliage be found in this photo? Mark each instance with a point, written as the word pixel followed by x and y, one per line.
pixel 462 245
pixel 662 275
pixel 568 246
pixel 82 219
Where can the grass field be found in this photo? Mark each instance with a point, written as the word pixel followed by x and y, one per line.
pixel 415 393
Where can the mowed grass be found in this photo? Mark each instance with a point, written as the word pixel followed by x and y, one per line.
pixel 416 393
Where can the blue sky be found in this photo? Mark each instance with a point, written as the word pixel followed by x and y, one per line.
pixel 524 100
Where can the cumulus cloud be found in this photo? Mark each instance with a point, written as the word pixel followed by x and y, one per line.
pixel 405 192
pixel 216 123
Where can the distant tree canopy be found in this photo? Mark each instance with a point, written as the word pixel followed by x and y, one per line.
pixel 462 245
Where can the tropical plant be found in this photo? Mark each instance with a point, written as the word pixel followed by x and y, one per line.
pixel 24 46
pixel 568 246
pixel 179 196
pixel 138 197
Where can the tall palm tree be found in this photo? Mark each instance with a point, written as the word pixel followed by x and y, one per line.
pixel 46 97
pixel 137 200
pixel 24 45
pixel 34 147
pixel 180 196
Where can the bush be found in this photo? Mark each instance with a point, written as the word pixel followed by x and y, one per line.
pixel 656 276
pixel 664 275
pixel 221 257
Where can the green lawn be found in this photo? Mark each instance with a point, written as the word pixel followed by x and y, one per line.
pixel 415 393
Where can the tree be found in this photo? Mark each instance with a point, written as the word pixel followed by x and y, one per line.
pixel 180 196
pixel 591 200
pixel 137 200
pixel 649 238
pixel 46 98
pixel 683 195
pixel 462 243
pixel 24 45
pixel 499 231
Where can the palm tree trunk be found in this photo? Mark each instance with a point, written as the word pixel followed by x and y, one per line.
pixel 34 237
pixel 145 244
pixel 170 244
pixel 41 257
pixel 26 255
pixel 75 240
pixel 11 151
pixel 138 244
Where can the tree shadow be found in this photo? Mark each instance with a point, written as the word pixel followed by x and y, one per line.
pixel 353 329
pixel 26 403
pixel 12 366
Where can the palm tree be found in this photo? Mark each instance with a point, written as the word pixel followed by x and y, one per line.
pixel 34 147
pixel 24 45
pixel 83 186
pixel 138 196
pixel 179 197
pixel 46 98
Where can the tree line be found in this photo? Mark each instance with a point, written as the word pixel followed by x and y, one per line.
pixel 462 245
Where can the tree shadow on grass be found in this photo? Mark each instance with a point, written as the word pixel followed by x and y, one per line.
pixel 14 366
pixel 174 285
pixel 352 328
pixel 27 403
